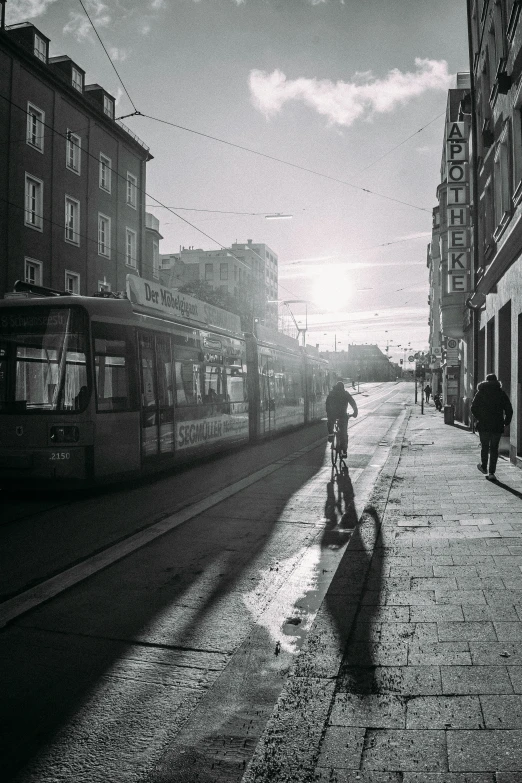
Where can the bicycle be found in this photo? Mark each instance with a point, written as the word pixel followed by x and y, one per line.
pixel 336 454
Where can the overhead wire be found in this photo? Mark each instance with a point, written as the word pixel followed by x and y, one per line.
pixel 400 143
pixel 278 160
pixel 108 55
pixel 137 113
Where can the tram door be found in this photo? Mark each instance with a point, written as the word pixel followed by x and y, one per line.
pixel 157 412
pixel 266 394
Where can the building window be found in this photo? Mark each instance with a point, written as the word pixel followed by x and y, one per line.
pixel 130 247
pixel 105 173
pixel 73 152
pixel 104 236
pixel 155 258
pixel 72 282
pixel 209 271
pixel 33 202
pixel 223 271
pixel 108 106
pixel 33 271
pixel 35 127
pixel 77 79
pixel 132 190
pixel 502 181
pixel 40 48
pixel 72 220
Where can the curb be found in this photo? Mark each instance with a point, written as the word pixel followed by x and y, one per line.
pixel 289 747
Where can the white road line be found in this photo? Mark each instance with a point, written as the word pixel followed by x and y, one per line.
pixel 31 598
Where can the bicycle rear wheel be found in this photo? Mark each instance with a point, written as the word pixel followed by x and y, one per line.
pixel 335 450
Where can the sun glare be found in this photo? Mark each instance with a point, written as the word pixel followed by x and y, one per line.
pixel 330 290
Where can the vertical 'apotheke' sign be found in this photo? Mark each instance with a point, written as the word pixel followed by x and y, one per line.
pixel 459 251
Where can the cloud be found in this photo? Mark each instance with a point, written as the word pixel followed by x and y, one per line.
pixel 156 4
pixel 21 10
pixel 344 102
pixel 78 24
pixel 119 55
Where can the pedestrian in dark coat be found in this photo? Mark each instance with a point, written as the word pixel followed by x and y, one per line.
pixel 493 411
pixel 337 410
pixel 427 392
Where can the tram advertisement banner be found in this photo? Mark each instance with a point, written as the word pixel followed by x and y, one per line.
pixel 190 434
pixel 153 296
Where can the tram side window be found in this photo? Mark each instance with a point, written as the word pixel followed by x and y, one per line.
pixel 188 383
pixel 236 384
pixel 113 362
pixel 215 385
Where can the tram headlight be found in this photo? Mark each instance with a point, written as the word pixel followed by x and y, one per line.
pixel 65 433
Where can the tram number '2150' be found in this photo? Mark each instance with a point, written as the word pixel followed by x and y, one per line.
pixel 60 455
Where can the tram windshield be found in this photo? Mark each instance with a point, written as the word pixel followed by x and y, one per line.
pixel 43 359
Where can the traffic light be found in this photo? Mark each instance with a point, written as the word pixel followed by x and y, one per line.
pixel 401 361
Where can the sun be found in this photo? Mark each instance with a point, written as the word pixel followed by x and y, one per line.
pixel 330 290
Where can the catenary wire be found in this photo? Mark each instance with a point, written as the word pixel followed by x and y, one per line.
pixel 400 143
pixel 138 113
pixel 278 160
pixel 107 53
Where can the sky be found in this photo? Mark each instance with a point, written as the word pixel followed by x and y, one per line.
pixel 333 86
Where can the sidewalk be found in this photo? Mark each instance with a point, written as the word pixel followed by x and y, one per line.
pixel 412 671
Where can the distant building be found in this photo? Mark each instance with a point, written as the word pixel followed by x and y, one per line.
pixel 250 269
pixel 361 362
pixel 72 178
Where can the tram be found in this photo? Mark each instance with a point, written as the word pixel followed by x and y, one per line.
pixel 102 388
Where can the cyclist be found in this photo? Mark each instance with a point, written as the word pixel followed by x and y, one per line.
pixel 337 410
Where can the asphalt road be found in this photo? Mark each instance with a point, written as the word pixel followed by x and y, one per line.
pixel 188 599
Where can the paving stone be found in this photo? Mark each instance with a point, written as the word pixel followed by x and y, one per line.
pixel 460 597
pixel 455 570
pixel 439 653
pixel 508 631
pixel 332 775
pixel 376 654
pixel 403 750
pixel 515 675
pixel 467 631
pixel 441 712
pixel 411 598
pixel 436 614
pixel 342 747
pixel 475 679
pixel 479 613
pixel 502 712
pixel 384 614
pixel 485 751
pixel 448 777
pixel 379 711
pixel 434 583
pixel 493 653
pixel 401 680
